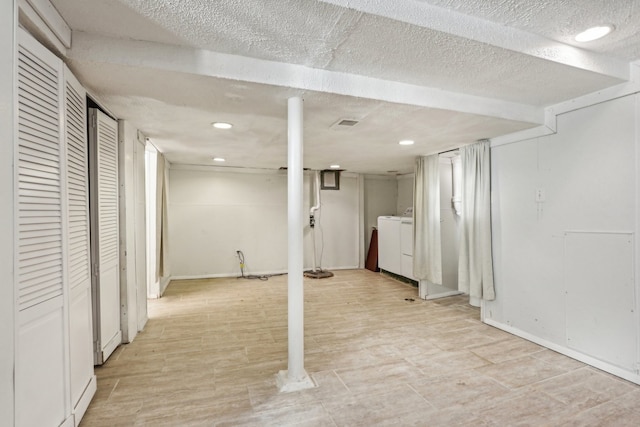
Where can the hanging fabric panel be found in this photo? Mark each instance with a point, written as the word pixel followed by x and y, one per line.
pixel 160 217
pixel 427 250
pixel 475 267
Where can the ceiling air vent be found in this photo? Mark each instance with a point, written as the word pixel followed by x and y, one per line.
pixel 344 124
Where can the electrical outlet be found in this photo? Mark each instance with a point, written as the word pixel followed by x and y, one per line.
pixel 540 195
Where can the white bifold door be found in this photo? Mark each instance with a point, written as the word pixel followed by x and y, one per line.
pixel 83 382
pixel 103 154
pixel 54 378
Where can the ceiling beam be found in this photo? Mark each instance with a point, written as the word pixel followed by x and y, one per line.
pixel 101 49
pixel 447 21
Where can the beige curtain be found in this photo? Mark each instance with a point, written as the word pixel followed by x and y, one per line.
pixel 427 248
pixel 161 218
pixel 475 266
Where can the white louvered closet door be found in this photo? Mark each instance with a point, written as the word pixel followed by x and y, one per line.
pixel 103 151
pixel 42 384
pixel 83 383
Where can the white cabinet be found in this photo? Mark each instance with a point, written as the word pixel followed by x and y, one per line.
pixel 406 247
pixel 395 245
pixel 395 255
pixel 389 249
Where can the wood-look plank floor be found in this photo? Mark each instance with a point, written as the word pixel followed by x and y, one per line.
pixel 211 349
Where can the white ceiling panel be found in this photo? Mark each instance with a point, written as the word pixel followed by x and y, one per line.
pixel 425 57
pixel 562 20
pixel 442 72
pixel 176 112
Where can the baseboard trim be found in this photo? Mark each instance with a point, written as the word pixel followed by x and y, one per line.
pixel 144 323
pixel 592 361
pixel 443 295
pixel 68 422
pixel 108 349
pixel 259 273
pixel 85 400
pixel 164 282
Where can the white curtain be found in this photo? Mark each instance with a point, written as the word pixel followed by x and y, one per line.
pixel 475 267
pixel 162 252
pixel 427 250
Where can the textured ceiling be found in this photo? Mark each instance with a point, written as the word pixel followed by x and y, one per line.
pixel 562 20
pixel 177 117
pixel 434 58
pixel 455 71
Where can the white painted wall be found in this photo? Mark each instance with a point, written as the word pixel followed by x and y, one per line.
pixel 213 213
pixel 589 173
pixel 337 225
pixel 8 129
pixel 449 222
pixel 380 199
pixel 405 193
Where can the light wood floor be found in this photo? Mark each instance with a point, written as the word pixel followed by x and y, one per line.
pixel 210 351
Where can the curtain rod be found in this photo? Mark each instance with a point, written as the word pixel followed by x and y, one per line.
pixel 449 151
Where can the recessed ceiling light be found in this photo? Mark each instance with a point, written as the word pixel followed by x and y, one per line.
pixel 222 125
pixel 406 142
pixel 218 159
pixel 335 166
pixel 594 33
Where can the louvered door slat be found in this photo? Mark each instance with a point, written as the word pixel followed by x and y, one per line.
pixel 77 160
pixel 32 251
pixel 77 187
pixel 34 90
pixel 36 98
pixel 41 223
pixel 108 192
pixel 34 186
pixel 45 76
pixel 36 111
pixel 39 289
pixel 39 187
pixel 38 242
pixel 35 142
pixel 39 282
pixel 43 155
pixel 37 255
pixel 33 204
pixel 42 259
pixel 43 269
pixel 33 168
pixel 36 226
pixel 40 238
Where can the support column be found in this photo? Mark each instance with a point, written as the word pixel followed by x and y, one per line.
pixel 295 377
